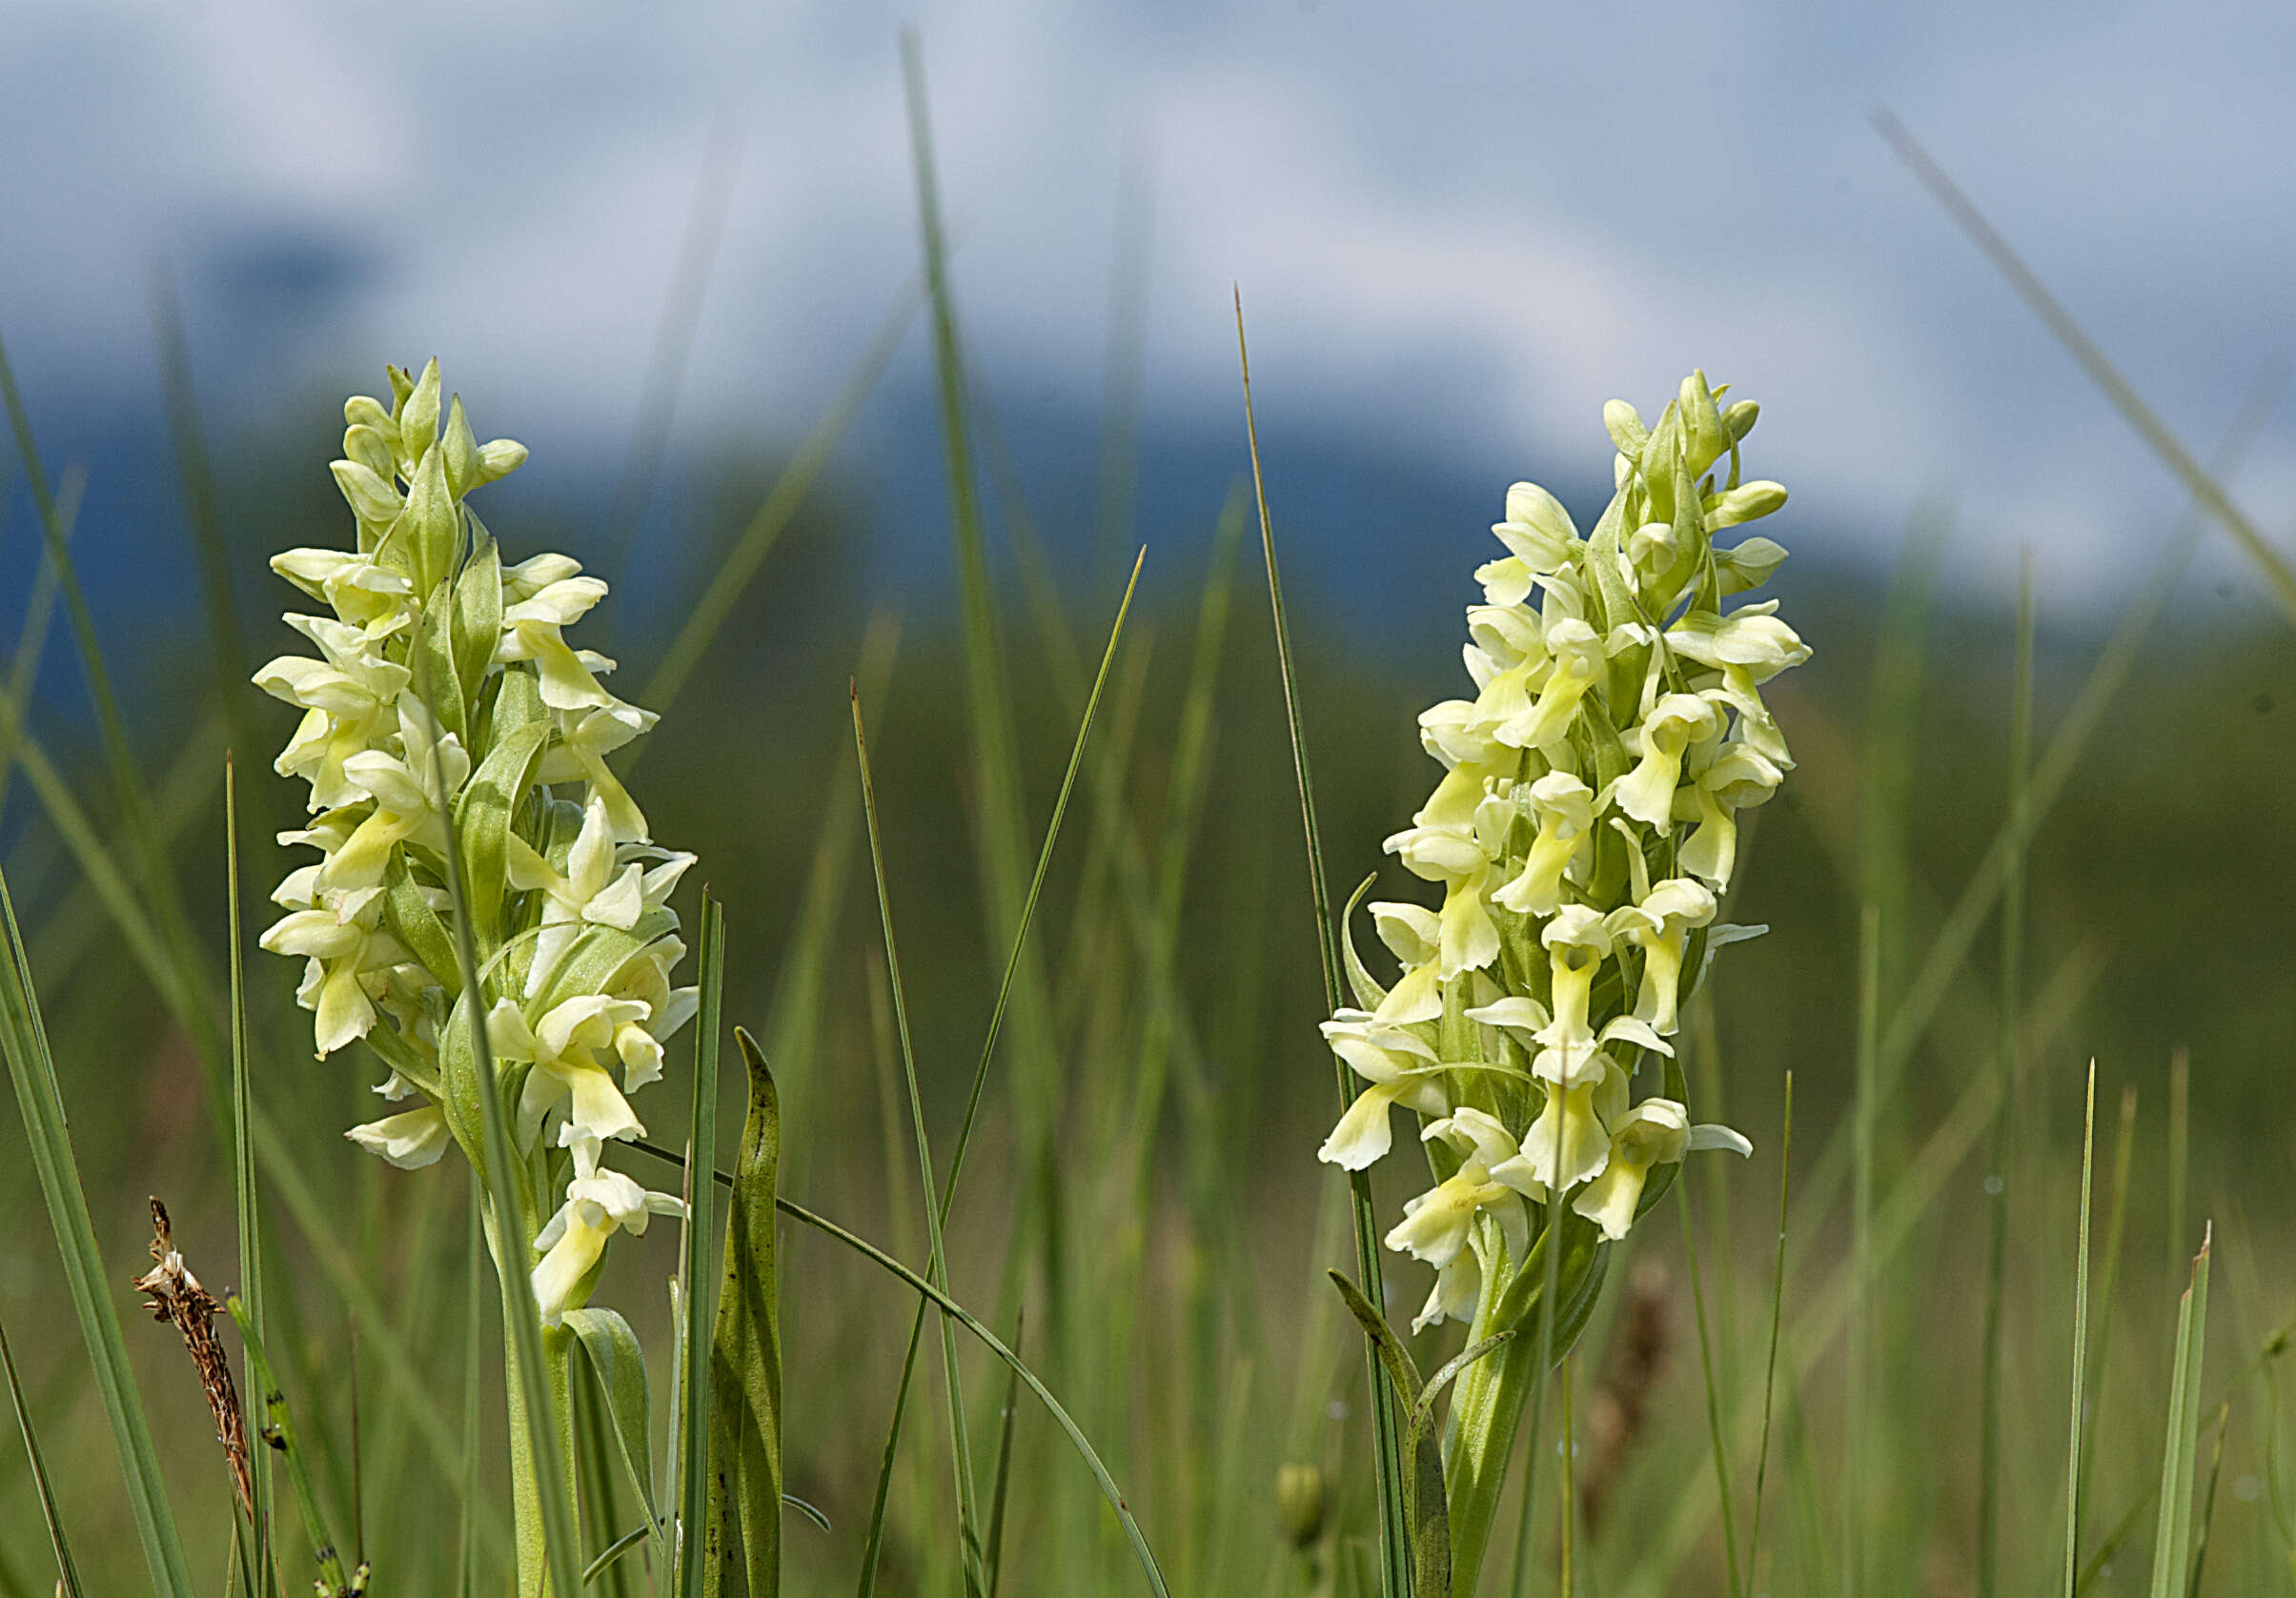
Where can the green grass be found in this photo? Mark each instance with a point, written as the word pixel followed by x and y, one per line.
pixel 1902 1390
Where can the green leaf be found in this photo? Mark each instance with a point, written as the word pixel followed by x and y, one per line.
pixel 413 922
pixel 436 672
pixel 432 521
pixel 1430 1526
pixel 620 1367
pixel 1426 1512
pixel 594 956
pixel 1394 1358
pixel 32 1069
pixel 1611 762
pixel 745 1524
pixel 459 1089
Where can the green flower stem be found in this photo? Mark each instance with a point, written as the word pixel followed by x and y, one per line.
pixel 1486 1410
pixel 526 1475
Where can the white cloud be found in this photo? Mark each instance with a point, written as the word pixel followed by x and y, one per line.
pixel 1462 228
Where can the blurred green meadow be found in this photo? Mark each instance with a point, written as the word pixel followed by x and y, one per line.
pixel 1144 1219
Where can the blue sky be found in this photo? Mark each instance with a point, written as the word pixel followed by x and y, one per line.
pixel 1457 228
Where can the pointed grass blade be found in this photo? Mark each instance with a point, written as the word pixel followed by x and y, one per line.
pixel 1713 1397
pixel 1778 1301
pixel 2094 1569
pixel 2173 1535
pixel 935 1257
pixel 1003 1480
pixel 1387 1454
pixel 965 1318
pixel 988 1046
pixel 695 1305
pixel 279 1433
pixel 2116 1231
pixel 245 1197
pixel 68 1577
pixel 2198 482
pixel 745 1401
pixel 40 1100
pixel 2081 1340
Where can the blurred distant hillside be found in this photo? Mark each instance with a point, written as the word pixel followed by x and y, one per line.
pixel 2152 867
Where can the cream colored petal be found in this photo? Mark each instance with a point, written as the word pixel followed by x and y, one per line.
pixel 410 1142
pixel 1363 1136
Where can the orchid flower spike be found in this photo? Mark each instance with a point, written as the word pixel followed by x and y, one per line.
pixel 446 717
pixel 1583 828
